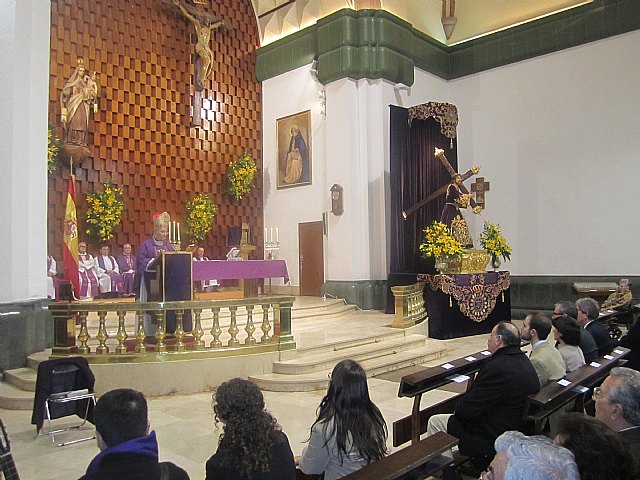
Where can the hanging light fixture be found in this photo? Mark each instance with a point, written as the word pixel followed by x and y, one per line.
pixel 448 21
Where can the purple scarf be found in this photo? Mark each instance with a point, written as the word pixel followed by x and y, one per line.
pixel 147 446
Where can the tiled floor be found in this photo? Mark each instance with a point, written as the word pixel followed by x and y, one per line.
pixel 185 425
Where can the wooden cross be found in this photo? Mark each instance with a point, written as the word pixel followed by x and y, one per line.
pixel 480 187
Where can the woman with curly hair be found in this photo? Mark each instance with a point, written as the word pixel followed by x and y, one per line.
pixel 349 432
pixel 252 445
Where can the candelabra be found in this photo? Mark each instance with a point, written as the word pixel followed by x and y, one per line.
pixel 271 250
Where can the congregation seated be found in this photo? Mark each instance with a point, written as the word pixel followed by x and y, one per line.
pixel 620 299
pixel 495 401
pixel 52 280
pixel 618 406
pixel 534 458
pixel 598 451
pixel 349 431
pixel 108 273
pixel 566 333
pixel 127 265
pixel 127 449
pixel 89 285
pixel 252 445
pixel 588 311
pixel 546 359
pixel 587 343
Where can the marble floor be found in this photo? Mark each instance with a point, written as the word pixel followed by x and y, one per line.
pixel 185 425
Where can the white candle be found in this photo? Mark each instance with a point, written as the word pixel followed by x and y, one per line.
pixel 271 233
pixel 174 231
pixel 169 232
pixel 277 235
pixel 178 232
pixel 265 235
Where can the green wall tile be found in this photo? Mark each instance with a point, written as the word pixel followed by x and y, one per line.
pixel 376 44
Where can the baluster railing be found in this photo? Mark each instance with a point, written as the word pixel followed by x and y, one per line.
pixel 109 316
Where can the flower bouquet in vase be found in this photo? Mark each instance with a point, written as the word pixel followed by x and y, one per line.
pixel 439 243
pixel 495 244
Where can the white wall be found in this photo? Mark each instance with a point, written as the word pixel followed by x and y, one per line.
pixel 291 93
pixel 557 138
pixel 24 98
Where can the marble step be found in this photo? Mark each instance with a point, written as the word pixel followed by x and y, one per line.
pixel 359 353
pixel 24 378
pixel 34 359
pixel 332 346
pixel 13 398
pixel 318 380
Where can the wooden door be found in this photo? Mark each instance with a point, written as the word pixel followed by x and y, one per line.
pixel 311 258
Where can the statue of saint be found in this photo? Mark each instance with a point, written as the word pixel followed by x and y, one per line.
pixel 78 99
pixel 204 23
pixel 451 215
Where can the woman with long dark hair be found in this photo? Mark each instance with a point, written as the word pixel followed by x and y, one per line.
pixel 252 445
pixel 349 432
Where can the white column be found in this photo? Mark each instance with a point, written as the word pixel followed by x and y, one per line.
pixel 24 101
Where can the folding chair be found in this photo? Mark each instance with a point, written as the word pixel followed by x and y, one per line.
pixel 64 387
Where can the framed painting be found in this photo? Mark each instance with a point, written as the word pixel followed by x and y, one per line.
pixel 294 150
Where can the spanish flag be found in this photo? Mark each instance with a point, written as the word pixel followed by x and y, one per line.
pixel 70 248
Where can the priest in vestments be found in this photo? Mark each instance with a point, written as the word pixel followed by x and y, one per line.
pixel 147 253
pixel 86 271
pixel 52 281
pixel 108 273
pixel 127 264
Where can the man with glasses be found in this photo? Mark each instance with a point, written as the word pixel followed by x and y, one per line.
pixel 587 343
pixel 588 311
pixel 618 406
pixel 495 400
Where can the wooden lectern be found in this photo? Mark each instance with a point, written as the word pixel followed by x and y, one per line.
pixel 173 282
pixel 174 277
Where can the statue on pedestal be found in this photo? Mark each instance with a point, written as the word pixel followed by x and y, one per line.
pixel 78 99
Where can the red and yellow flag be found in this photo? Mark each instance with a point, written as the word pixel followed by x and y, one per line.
pixel 70 248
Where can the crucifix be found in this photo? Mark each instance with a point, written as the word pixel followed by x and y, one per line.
pixel 439 153
pixel 480 187
pixel 204 23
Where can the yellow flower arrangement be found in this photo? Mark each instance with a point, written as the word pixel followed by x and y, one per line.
pixel 439 241
pixel 240 176
pixel 494 243
pixel 104 212
pixel 200 213
pixel 53 147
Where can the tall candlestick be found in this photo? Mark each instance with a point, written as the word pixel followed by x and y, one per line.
pixel 277 235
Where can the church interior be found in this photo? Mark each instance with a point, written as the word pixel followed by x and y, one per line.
pixel 323 99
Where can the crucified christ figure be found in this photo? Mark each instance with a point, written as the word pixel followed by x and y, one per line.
pixel 204 23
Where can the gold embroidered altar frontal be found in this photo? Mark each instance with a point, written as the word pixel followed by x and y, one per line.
pixel 476 293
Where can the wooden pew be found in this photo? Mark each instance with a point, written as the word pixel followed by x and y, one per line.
pixel 419 460
pixel 575 385
pixel 416 384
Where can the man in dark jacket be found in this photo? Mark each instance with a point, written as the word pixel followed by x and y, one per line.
pixel 128 450
pixel 588 312
pixel 496 400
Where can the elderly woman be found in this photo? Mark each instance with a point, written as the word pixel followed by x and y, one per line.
pixel 566 332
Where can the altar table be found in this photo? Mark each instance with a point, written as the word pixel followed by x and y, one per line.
pixel 239 270
pixel 461 305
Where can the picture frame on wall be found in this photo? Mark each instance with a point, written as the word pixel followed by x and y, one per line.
pixel 294 150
